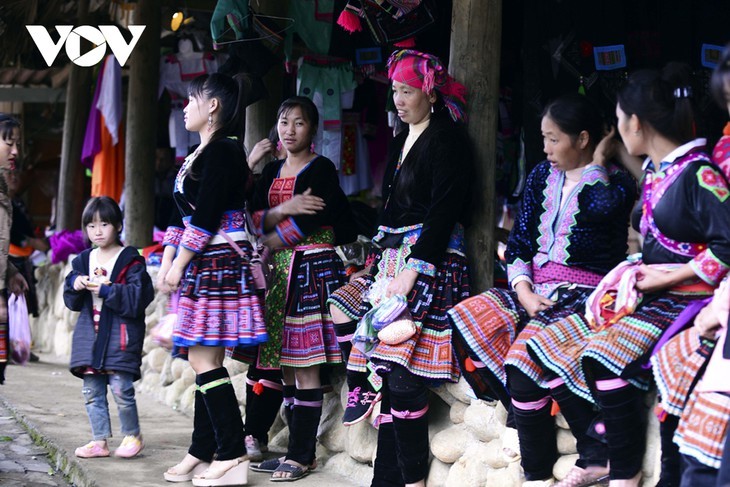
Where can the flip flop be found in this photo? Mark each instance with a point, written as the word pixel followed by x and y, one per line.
pixel 268 466
pixel 296 472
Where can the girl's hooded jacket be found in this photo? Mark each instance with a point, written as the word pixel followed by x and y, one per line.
pixel 117 346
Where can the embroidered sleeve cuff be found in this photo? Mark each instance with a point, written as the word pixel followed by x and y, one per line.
pixel 258 218
pixel 195 239
pixel 172 236
pixel 519 268
pixel 422 267
pixel 593 174
pixel 709 268
pixel 518 280
pixel 289 232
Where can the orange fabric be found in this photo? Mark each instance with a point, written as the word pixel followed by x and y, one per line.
pixel 18 251
pixel 726 130
pixel 107 176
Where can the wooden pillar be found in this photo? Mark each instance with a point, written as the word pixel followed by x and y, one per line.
pixel 261 116
pixel 141 127
pixel 474 59
pixel 69 204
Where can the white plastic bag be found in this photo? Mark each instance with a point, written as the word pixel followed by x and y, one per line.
pixel 19 329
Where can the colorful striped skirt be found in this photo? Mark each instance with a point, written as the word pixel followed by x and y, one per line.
pixel 677 367
pixel 703 427
pixel 218 304
pixel 429 352
pixel 622 348
pixel 297 316
pixel 495 327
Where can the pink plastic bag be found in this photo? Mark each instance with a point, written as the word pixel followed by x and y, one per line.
pixel 19 329
pixel 162 332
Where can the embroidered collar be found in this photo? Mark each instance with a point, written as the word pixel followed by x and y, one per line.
pixel 674 155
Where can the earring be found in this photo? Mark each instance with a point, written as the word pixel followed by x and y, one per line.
pixel 210 121
pixel 311 147
pixel 278 146
pixel 431 108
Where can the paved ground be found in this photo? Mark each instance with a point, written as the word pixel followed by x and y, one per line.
pixel 22 463
pixel 43 400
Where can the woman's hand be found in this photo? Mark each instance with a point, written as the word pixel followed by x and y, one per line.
pixel 260 150
pixel 80 283
pixel 172 278
pixel 650 280
pixel 164 267
pixel 706 322
pixel 606 148
pixel 302 204
pixel 17 284
pixel 402 283
pixel 359 273
pixel 533 302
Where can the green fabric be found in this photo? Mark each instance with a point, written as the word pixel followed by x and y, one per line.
pixel 270 352
pixel 315 34
pixel 210 385
pixel 234 13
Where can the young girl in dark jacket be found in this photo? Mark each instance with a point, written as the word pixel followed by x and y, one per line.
pixel 110 287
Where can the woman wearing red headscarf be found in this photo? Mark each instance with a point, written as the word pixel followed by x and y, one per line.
pixel 421 233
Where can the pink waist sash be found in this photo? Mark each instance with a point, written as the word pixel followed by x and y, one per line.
pixel 554 272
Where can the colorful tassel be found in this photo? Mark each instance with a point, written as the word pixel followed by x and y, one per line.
pixel 258 388
pixel 349 20
pixel 406 43
pixel 554 408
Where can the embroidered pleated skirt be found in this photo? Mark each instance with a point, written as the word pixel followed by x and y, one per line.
pixel 218 304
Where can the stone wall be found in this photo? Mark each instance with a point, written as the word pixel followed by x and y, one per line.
pixel 469 441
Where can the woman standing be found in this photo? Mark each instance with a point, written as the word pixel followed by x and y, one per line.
pixel 218 305
pixel 685 221
pixel 571 230
pixel 9 275
pixel 306 271
pixel 426 193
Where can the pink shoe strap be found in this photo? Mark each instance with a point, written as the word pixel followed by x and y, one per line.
pixel 382 419
pixel 531 406
pixel 611 384
pixel 409 414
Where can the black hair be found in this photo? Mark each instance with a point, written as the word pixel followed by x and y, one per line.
pixel 574 113
pixel 232 94
pixel 7 124
pixel 720 77
pixel 308 108
pixel 108 211
pixel 661 99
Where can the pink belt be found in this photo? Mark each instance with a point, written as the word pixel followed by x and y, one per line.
pixel 554 272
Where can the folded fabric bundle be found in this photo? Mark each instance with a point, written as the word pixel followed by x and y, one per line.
pixel 388 311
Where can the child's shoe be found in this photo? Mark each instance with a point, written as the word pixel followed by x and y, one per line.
pixel 254 449
pixel 92 450
pixel 130 447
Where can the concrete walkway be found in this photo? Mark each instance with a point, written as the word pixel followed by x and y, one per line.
pixel 46 400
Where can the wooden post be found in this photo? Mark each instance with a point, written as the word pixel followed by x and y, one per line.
pixel 261 116
pixel 141 140
pixel 70 175
pixel 476 30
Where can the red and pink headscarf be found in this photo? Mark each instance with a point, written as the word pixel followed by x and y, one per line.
pixel 425 72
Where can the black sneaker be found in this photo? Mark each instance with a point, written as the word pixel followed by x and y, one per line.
pixel 360 404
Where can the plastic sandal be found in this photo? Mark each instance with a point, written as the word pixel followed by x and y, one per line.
pixel 186 477
pixel 296 472
pixel 130 447
pixel 578 477
pixel 92 450
pixel 235 475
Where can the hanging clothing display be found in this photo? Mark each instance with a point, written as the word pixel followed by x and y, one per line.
pixel 103 148
pixel 330 85
pixel 313 23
